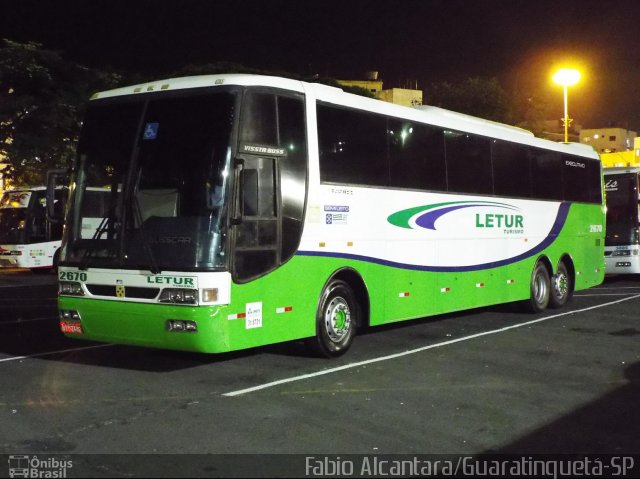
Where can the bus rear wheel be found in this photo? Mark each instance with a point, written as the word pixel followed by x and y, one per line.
pixel 540 288
pixel 561 287
pixel 336 319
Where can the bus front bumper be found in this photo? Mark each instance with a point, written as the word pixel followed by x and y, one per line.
pixel 186 328
pixel 617 263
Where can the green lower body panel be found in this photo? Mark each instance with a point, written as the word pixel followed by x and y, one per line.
pixel 282 305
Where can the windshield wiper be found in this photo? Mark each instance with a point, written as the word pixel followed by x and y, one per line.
pixel 102 228
pixel 155 269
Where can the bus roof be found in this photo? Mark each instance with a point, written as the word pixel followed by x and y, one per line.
pixel 204 81
pixel 423 113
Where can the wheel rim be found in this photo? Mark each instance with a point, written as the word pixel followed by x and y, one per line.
pixel 539 289
pixel 561 285
pixel 337 319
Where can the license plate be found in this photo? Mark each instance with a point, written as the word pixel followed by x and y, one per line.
pixel 69 327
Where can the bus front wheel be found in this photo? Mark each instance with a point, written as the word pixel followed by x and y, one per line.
pixel 336 319
pixel 540 289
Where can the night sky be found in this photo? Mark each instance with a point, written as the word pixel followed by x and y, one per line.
pixel 520 42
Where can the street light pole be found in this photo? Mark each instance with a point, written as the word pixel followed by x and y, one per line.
pixel 566 77
pixel 566 120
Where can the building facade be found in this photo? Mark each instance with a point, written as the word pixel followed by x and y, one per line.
pixel 399 96
pixel 608 140
pixel 622 158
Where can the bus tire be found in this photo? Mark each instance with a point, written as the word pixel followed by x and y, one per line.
pixel 56 260
pixel 561 287
pixel 336 319
pixel 540 288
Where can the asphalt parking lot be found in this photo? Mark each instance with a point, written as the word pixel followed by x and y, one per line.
pixel 487 381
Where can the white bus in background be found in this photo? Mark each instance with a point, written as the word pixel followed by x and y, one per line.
pixel 27 238
pixel 622 242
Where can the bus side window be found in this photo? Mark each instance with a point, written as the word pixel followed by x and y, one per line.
pixel 353 146
pixel 511 169
pixel 468 163
pixel 546 174
pixel 416 156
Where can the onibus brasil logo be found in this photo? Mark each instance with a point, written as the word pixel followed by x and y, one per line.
pixel 34 467
pixel 426 216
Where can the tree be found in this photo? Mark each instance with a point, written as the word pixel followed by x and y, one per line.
pixel 533 112
pixel 42 98
pixel 477 96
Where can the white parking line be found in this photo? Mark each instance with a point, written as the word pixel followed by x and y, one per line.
pixel 18 301
pixel 20 321
pixel 617 287
pixel 21 285
pixel 51 353
pixel 417 350
pixel 602 294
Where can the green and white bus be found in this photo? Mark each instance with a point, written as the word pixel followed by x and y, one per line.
pixel 249 210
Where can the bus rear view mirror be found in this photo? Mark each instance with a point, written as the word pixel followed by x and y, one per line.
pixel 55 179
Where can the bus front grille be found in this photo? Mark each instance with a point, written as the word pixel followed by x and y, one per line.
pixel 125 292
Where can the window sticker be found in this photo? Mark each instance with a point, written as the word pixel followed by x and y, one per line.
pixel 253 315
pixel 336 214
pixel 150 131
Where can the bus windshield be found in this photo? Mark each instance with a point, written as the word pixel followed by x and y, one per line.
pixel 22 217
pixel 163 163
pixel 622 210
pixel 12 224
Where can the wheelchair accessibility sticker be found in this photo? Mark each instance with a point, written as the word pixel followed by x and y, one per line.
pixel 150 131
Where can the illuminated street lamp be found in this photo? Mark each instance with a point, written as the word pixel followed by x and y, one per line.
pixel 566 77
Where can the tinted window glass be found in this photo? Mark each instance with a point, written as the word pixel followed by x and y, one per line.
pixel 293 171
pixel 581 177
pixel 108 132
pixel 179 146
pixel 259 125
pixel 576 178
pixel 594 179
pixel 273 185
pixel 546 174
pixel 622 209
pixel 468 163
pixel 188 153
pixel 416 155
pixel 353 146
pixel 94 203
pixel 511 169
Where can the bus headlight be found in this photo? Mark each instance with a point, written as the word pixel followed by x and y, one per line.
pixel 624 252
pixel 70 288
pixel 179 296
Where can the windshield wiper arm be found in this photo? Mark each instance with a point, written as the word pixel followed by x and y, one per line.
pixel 155 269
pixel 102 227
